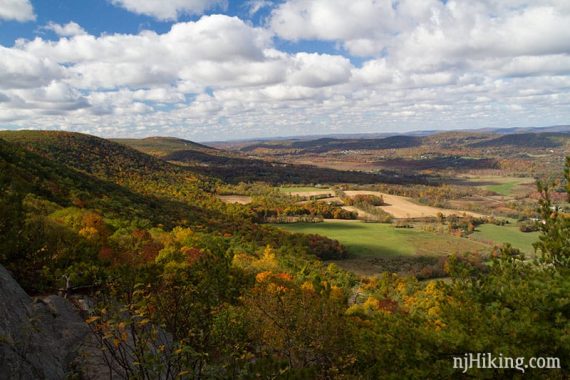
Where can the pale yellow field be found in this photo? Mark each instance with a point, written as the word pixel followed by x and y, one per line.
pixel 312 193
pixel 402 207
pixel 241 199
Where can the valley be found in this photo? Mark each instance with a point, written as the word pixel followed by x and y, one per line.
pixel 207 242
pixel 284 190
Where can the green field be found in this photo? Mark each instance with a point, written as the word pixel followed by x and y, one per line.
pixel 507 234
pixel 501 185
pixel 375 239
pixel 504 188
pixel 302 189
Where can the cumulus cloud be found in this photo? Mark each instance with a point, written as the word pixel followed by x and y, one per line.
pixel 319 70
pixel 68 30
pixel 169 9
pixel 20 69
pixel 363 26
pixel 426 64
pixel 210 50
pixel 133 74
pixel 440 29
pixel 17 10
pixel 54 97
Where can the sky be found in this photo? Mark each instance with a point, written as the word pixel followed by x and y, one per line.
pixel 211 70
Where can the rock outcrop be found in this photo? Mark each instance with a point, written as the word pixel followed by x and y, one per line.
pixel 40 338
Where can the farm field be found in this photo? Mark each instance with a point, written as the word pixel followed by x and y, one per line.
pixel 505 186
pixel 402 207
pixel 241 199
pixel 375 247
pixel 306 191
pixel 507 234
pixel 378 239
pixel 361 239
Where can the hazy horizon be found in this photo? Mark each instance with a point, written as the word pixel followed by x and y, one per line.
pixel 306 136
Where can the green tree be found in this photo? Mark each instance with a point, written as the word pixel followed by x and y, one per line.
pixel 554 242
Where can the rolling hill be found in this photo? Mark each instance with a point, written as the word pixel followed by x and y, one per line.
pixel 446 139
pixel 523 140
pixel 163 146
pixel 323 145
pixel 89 154
pixel 236 166
pixel 27 172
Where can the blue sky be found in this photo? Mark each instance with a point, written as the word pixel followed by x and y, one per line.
pixel 101 16
pixel 98 17
pixel 214 69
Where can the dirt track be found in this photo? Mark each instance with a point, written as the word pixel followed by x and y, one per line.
pixel 241 199
pixel 402 207
pixel 312 193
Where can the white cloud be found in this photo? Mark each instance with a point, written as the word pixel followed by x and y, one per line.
pixel 434 65
pixel 19 69
pixel 374 72
pixel 68 30
pixel 558 64
pixel 161 95
pixel 416 27
pixel 257 5
pixel 18 10
pixel 168 9
pixel 55 97
pixel 213 50
pixel 319 70
pixel 363 26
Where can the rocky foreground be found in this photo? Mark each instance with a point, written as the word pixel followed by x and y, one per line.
pixel 43 337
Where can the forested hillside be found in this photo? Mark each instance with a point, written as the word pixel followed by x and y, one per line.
pixel 232 167
pixel 162 146
pixel 181 285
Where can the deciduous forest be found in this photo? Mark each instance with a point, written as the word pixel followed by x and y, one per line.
pixel 182 285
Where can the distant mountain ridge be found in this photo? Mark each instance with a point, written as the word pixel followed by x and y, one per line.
pixel 328 144
pixel 551 129
pixel 532 140
pixel 436 141
pixel 565 129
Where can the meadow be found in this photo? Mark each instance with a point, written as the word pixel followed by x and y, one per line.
pixel 376 247
pixel 378 239
pixel 505 186
pixel 507 234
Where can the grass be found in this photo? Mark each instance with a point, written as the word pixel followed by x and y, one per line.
pixel 504 188
pixel 507 234
pixel 368 243
pixel 501 185
pixel 361 239
pixel 375 239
